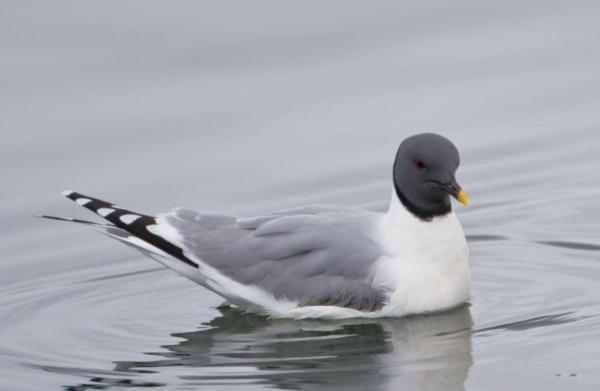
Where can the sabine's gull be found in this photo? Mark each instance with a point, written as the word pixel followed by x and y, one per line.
pixel 321 261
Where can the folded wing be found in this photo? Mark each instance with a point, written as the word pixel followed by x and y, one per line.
pixel 313 256
pixel 319 255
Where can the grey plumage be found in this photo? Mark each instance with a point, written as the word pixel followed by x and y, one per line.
pixel 317 255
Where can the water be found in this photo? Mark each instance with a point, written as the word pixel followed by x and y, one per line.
pixel 243 107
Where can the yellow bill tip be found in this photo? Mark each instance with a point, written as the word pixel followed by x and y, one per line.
pixel 463 198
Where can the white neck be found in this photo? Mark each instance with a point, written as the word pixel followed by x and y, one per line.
pixel 397 209
pixel 425 265
pixel 402 228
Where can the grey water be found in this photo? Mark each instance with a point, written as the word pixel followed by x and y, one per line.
pixel 242 107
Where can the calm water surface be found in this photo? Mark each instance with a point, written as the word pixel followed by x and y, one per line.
pixel 242 107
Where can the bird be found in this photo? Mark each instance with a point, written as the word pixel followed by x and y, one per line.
pixel 320 261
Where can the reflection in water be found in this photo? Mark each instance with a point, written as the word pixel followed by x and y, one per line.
pixel 431 352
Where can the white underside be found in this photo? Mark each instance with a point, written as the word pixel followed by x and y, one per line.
pixel 425 268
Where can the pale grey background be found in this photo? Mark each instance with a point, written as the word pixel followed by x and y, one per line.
pixel 245 106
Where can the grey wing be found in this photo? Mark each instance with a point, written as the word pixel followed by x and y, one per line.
pixel 318 255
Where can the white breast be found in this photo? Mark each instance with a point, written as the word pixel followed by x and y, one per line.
pixel 426 265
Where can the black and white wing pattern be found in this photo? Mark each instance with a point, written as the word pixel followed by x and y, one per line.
pixel 136 224
pixel 312 256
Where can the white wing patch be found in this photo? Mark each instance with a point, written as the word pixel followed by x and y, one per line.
pixel 105 211
pixel 166 231
pixel 129 218
pixel 83 201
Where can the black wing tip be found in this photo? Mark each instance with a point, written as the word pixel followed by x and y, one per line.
pixel 68 193
pixel 138 228
pixel 72 195
pixel 91 203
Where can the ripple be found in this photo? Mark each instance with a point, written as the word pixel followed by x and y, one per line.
pixel 531 323
pixel 571 245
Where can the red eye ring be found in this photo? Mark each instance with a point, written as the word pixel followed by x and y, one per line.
pixel 420 164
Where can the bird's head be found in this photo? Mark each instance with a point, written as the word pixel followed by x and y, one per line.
pixel 424 175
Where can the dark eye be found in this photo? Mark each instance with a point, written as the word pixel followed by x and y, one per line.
pixel 420 164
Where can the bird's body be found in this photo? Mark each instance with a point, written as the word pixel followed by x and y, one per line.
pixel 317 261
pixel 425 262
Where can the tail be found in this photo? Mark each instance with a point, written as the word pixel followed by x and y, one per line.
pixel 126 226
pixel 71 220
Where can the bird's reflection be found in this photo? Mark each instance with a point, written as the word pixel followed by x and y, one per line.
pixel 430 352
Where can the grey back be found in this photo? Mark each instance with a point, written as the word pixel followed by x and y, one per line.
pixel 317 255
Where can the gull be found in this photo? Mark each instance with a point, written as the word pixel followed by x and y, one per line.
pixel 321 261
